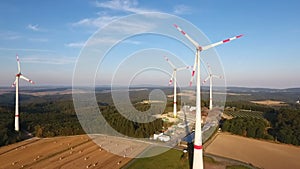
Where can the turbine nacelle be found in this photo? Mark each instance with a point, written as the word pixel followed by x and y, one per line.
pixel 199 48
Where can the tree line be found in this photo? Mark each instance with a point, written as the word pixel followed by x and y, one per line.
pixel 286 126
pixel 58 118
pixel 247 126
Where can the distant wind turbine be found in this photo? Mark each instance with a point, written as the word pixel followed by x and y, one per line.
pixel 174 81
pixel 16 84
pixel 198 151
pixel 210 78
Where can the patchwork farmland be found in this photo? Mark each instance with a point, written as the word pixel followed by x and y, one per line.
pixel 245 113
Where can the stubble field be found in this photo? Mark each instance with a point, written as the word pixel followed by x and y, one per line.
pixel 259 153
pixel 69 152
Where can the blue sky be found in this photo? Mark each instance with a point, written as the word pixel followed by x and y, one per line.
pixel 49 35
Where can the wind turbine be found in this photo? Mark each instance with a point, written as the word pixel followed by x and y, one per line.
pixel 210 78
pixel 198 151
pixel 16 84
pixel 174 80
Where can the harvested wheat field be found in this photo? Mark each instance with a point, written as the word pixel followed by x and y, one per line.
pixel 259 153
pixel 69 152
pixel 270 103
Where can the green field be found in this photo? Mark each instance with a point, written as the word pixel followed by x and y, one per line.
pixel 174 159
pixel 237 167
pixel 171 159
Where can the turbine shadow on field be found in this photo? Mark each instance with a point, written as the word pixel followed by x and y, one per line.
pixel 190 144
pixel 187 130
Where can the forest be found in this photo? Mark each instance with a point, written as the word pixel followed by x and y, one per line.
pixel 44 117
pixel 286 126
pixel 247 126
pixel 279 123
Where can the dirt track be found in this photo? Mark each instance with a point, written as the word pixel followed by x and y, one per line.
pixel 259 153
pixel 68 152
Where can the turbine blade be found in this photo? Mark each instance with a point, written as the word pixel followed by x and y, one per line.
pixel 221 42
pixel 216 76
pixel 184 68
pixel 171 79
pixel 194 69
pixel 168 60
pixel 187 36
pixel 25 78
pixel 209 69
pixel 206 79
pixel 14 84
pixel 18 61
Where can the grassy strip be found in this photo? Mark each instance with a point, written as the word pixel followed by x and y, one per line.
pixel 171 159
pixel 237 167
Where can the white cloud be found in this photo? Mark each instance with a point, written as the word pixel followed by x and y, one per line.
pixel 134 42
pixel 132 27
pixel 104 18
pixel 33 27
pixel 119 26
pixel 38 39
pixel 96 22
pixel 75 44
pixel 123 5
pixel 24 49
pixel 99 41
pixel 14 37
pixel 182 9
pixel 107 16
pixel 9 35
pixel 96 41
pixel 49 59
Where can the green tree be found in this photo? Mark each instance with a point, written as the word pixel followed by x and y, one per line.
pixel 38 131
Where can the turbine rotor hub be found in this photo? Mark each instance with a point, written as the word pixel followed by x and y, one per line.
pixel 199 48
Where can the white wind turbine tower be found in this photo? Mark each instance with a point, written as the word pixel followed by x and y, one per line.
pixel 198 152
pixel 210 78
pixel 174 81
pixel 16 84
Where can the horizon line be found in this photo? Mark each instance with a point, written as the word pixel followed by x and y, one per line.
pixel 151 86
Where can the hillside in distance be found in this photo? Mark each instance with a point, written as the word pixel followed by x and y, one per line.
pixel 289 95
